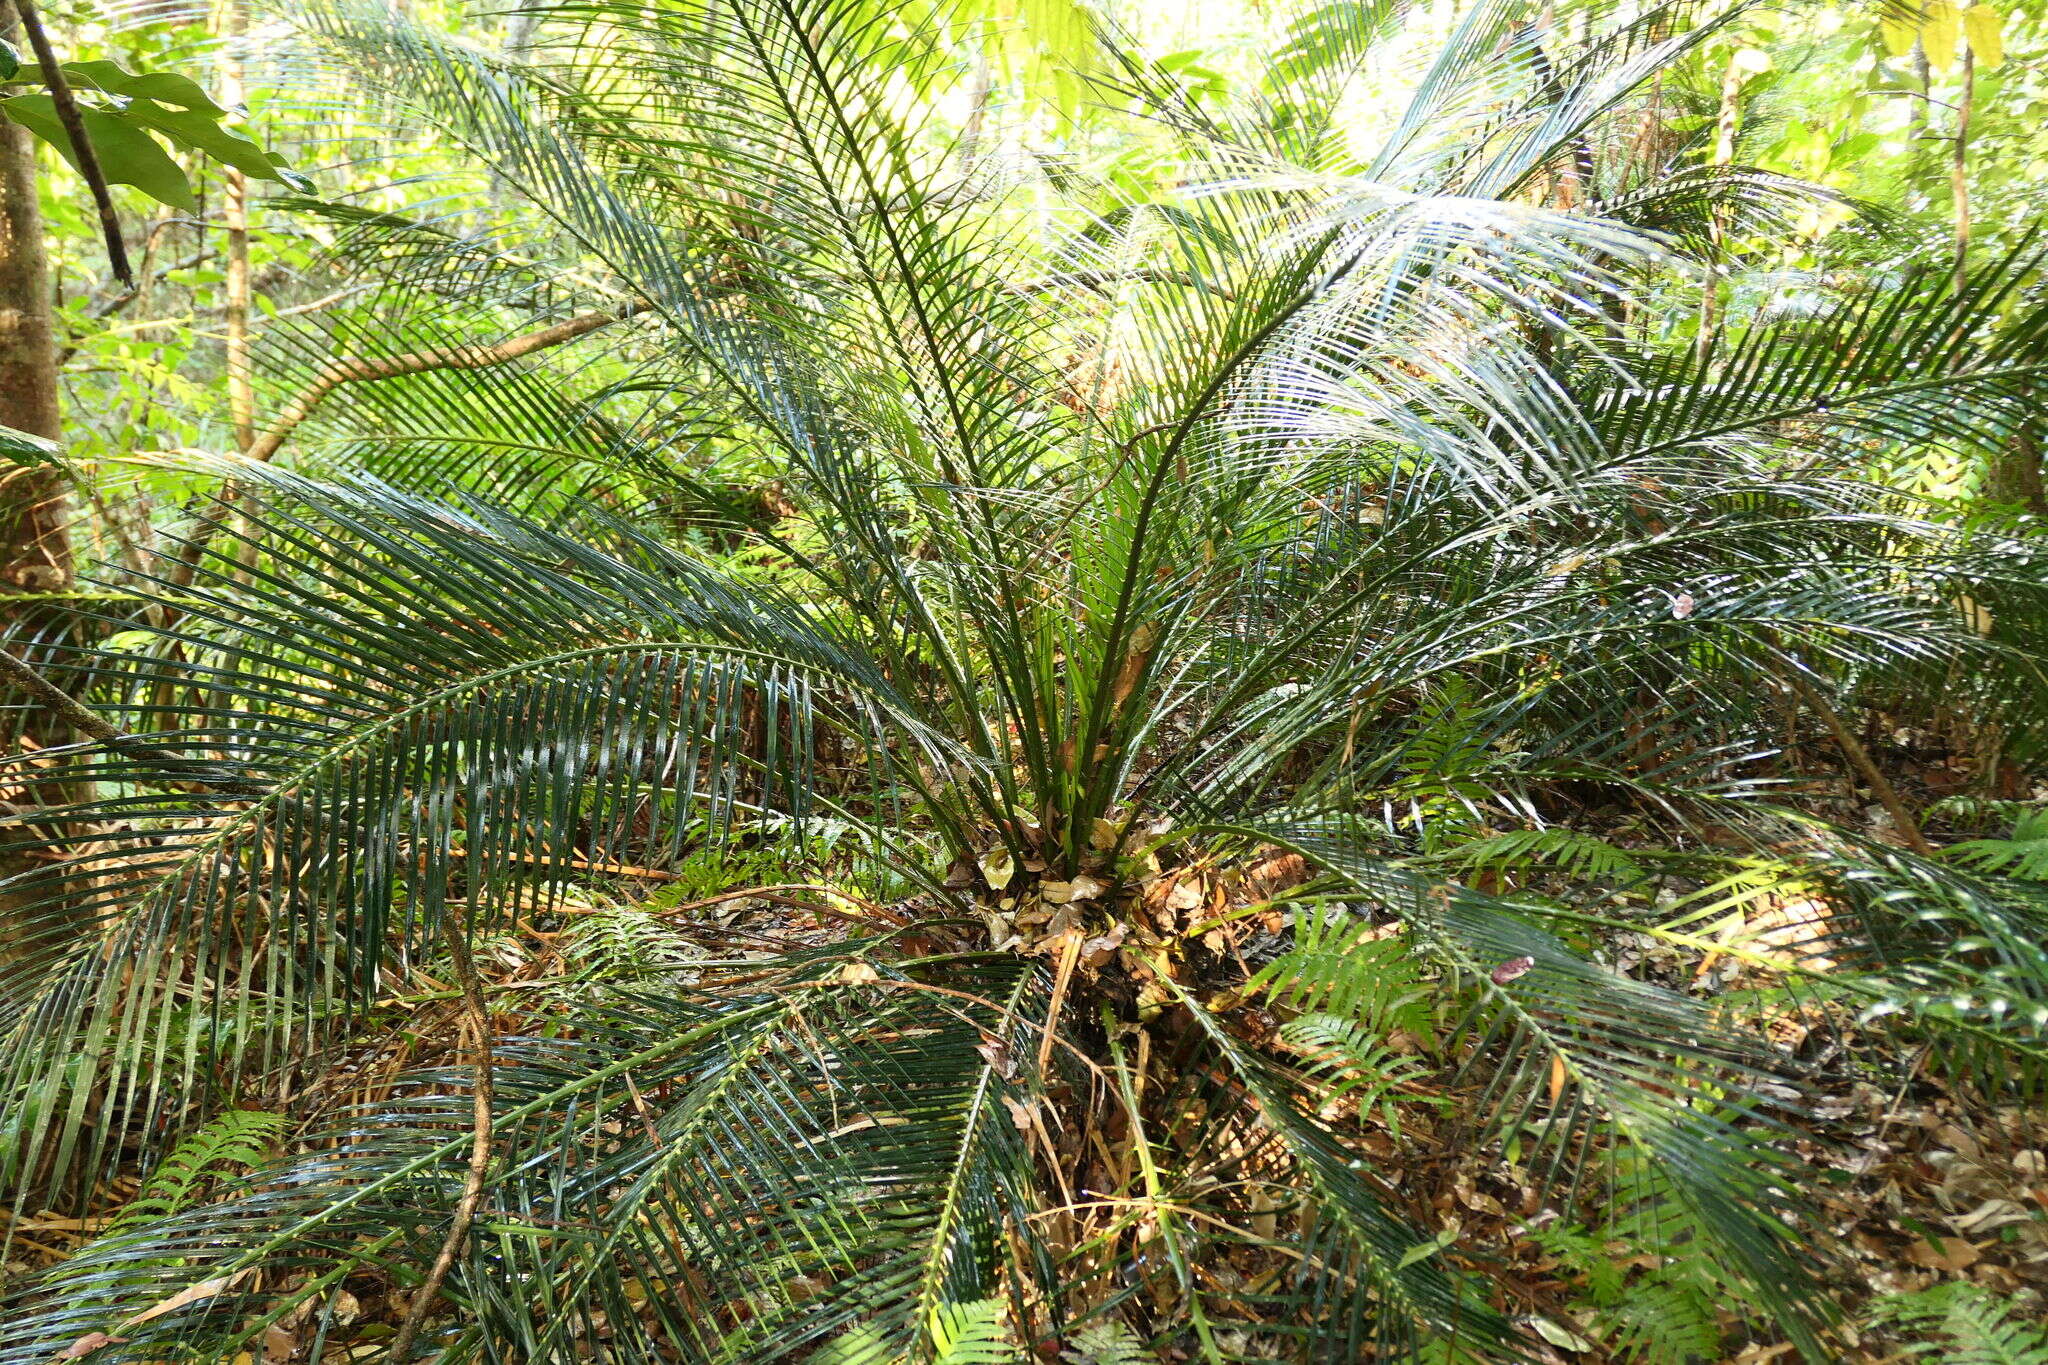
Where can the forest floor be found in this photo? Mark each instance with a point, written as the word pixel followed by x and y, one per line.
pixel 1922 1182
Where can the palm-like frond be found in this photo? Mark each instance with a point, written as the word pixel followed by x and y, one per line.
pixel 736 1246
pixel 1339 489
pixel 395 723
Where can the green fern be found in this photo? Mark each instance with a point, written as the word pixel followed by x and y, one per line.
pixel 624 942
pixel 1444 757
pixel 971 1334
pixel 1667 1314
pixel 1555 849
pixel 1106 1343
pixel 1963 1325
pixel 2024 854
pixel 1669 1318
pixel 1352 1064
pixel 1336 968
pixel 230 1144
pixel 1977 812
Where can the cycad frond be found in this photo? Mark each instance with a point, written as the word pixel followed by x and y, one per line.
pixel 1340 486
pixel 746 1179
pixel 486 707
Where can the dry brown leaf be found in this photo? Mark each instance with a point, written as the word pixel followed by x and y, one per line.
pixel 1097 951
pixel 997 1054
pixel 1955 1253
pixel 1272 875
pixel 87 1344
pixel 1991 1214
pixel 1024 1115
pixel 1759 1355
pixel 205 1289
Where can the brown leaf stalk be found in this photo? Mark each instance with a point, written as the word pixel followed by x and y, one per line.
pixel 477 1018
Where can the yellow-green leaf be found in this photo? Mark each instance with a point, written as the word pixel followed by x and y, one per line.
pixel 1939 34
pixel 1985 29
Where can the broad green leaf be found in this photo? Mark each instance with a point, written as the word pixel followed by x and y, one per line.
pixel 127 154
pixel 176 107
pixel 201 132
pixel 166 87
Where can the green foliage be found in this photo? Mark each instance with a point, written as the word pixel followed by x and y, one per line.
pixel 1668 1312
pixel 1343 969
pixel 1341 489
pixel 227 1145
pixel 2024 853
pixel 1106 1343
pixel 135 107
pixel 1963 1324
pixel 24 447
pixel 625 943
pixel 1352 1064
pixel 1564 851
pixel 971 1334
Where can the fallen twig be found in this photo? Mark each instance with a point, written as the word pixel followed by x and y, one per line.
pixel 1859 758
pixel 479 1023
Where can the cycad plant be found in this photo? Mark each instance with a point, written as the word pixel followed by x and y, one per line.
pixel 1160 600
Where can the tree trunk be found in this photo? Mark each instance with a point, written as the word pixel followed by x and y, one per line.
pixel 35 542
pixel 2015 474
pixel 232 23
pixel 34 545
pixel 35 538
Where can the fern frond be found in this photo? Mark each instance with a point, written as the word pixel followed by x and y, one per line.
pixel 1566 851
pixel 1964 1324
pixel 1106 1343
pixel 226 1145
pixel 972 1333
pixel 2023 853
pixel 1351 971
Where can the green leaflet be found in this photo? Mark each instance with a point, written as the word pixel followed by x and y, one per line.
pixel 127 155
pixel 24 447
pixel 111 78
pixel 139 104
